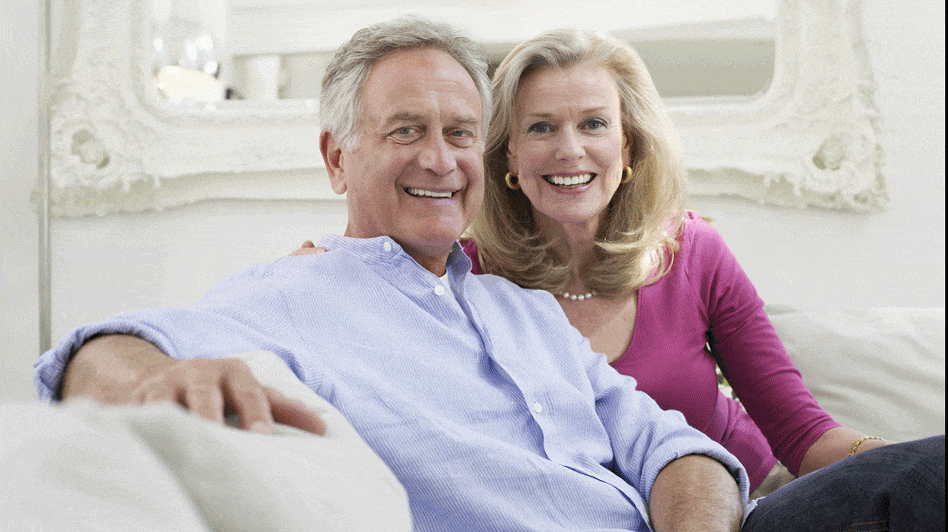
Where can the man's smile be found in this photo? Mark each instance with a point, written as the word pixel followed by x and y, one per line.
pixel 423 193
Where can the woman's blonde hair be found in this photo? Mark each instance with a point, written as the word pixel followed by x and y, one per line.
pixel 638 235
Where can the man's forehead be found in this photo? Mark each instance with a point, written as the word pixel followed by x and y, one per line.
pixel 418 84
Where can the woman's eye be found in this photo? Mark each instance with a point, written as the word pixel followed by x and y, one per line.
pixel 595 124
pixel 540 127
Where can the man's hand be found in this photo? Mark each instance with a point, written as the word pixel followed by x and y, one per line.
pixel 122 369
pixel 308 248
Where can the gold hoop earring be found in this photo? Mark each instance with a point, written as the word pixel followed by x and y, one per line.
pixel 513 182
pixel 626 175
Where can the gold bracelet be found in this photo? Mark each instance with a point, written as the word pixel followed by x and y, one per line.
pixel 855 445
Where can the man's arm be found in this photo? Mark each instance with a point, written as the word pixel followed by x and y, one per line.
pixel 695 493
pixel 123 369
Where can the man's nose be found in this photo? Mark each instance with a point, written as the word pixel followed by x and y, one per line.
pixel 438 156
pixel 570 146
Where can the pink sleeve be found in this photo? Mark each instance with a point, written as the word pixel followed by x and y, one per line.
pixel 751 356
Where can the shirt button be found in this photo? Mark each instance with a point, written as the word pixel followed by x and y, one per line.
pixel 387 246
pixel 439 290
pixel 537 407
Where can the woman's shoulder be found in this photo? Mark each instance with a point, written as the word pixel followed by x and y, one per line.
pixel 698 235
pixel 702 251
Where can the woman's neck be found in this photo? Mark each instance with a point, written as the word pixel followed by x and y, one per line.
pixel 575 243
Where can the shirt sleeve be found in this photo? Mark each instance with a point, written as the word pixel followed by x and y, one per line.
pixel 244 313
pixel 645 438
pixel 751 355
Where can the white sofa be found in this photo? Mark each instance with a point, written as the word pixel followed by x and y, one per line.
pixel 86 467
pixel 880 371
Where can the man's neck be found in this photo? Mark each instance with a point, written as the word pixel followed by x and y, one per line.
pixel 434 264
pixel 433 258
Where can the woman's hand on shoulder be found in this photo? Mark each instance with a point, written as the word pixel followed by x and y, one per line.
pixel 308 248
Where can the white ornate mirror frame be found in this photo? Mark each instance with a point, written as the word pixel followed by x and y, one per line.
pixel 810 140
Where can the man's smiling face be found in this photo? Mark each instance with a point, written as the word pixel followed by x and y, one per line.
pixel 416 173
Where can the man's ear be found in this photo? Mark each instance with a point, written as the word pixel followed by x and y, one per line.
pixel 333 157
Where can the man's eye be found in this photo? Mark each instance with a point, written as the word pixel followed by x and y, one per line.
pixel 461 138
pixel 405 134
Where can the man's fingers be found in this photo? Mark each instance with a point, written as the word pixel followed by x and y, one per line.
pixel 205 401
pixel 213 388
pixel 245 397
pixel 294 413
pixel 156 391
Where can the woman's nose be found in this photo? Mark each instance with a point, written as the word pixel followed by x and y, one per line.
pixel 570 147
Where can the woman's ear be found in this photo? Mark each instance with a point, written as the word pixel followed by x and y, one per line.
pixel 512 165
pixel 626 150
pixel 334 159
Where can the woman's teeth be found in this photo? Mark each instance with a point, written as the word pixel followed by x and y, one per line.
pixel 568 181
pixel 428 193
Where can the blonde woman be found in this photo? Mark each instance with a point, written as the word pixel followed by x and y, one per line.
pixel 584 198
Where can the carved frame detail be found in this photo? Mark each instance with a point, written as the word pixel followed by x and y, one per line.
pixel 810 140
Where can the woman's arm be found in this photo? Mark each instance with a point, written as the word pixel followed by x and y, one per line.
pixel 751 355
pixel 834 445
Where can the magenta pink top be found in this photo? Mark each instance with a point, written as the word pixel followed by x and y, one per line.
pixel 705 310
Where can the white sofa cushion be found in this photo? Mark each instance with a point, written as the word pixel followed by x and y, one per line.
pixel 84 466
pixel 880 371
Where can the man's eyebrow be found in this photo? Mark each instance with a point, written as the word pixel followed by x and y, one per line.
pixel 403 116
pixel 408 116
pixel 469 120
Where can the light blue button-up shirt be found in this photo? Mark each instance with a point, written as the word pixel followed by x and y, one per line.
pixel 491 409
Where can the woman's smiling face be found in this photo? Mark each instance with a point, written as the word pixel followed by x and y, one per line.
pixel 567 145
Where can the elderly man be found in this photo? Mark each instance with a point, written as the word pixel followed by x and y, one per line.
pixel 489 421
pixel 487 405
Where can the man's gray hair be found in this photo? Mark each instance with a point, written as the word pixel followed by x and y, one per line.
pixel 340 106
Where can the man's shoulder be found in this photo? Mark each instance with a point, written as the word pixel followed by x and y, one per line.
pixel 291 269
pixel 502 290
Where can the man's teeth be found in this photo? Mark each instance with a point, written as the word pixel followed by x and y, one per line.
pixel 428 193
pixel 566 181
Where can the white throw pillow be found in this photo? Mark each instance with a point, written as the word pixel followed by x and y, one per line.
pixel 880 371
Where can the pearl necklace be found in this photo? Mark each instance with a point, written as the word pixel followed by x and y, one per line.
pixel 577 297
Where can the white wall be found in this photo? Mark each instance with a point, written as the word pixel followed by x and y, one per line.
pixel 19 147
pixel 801 257
pixel 894 258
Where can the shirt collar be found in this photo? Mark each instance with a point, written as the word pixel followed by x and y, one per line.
pixel 383 249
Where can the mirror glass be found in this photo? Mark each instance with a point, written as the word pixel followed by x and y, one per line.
pixel 268 50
